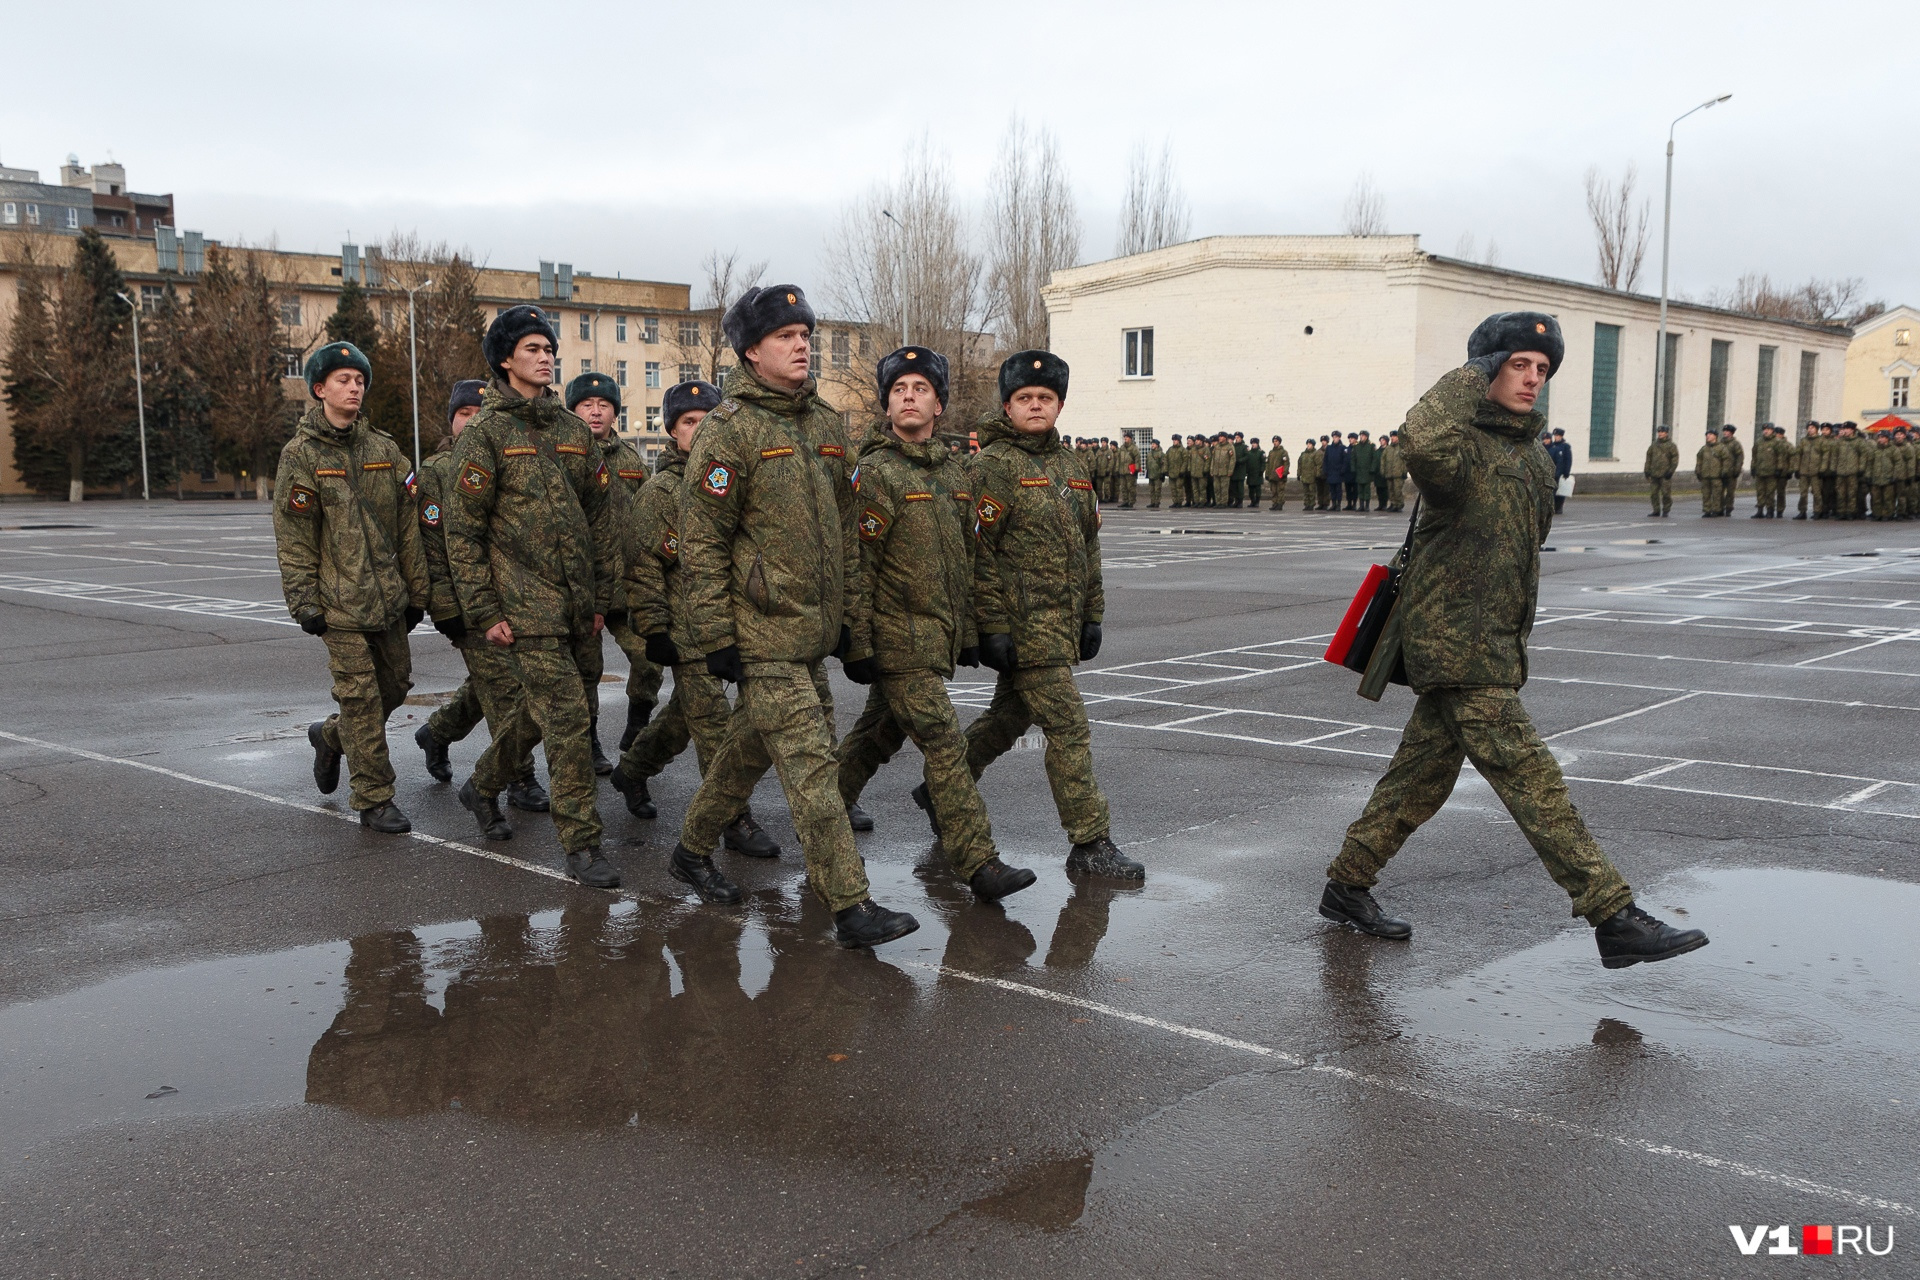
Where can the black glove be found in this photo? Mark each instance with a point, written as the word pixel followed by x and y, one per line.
pixel 1089 641
pixel 1490 363
pixel 725 663
pixel 454 629
pixel 660 649
pixel 314 624
pixel 862 670
pixel 846 643
pixel 970 656
pixel 614 616
pixel 413 614
pixel 997 651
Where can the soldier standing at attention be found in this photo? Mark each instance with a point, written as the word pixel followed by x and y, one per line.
pixel 1735 462
pixel 1880 474
pixel 1706 469
pixel 1334 469
pixel 1277 465
pixel 1765 462
pixel 1156 474
pixel 354 574
pixel 1225 464
pixel 1827 501
pixel 1310 482
pixel 1236 481
pixel 533 551
pixel 1129 472
pixel 912 612
pixel 1663 459
pixel 1176 473
pixel 1806 465
pixel 1468 600
pixel 1361 457
pixel 1562 454
pixel 1038 601
pixel 595 398
pixel 1849 463
pixel 1393 472
pixel 770 554
pixel 489 693
pixel 1256 469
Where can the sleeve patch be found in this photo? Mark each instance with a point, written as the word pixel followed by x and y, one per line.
pixel 917 497
pixel 605 476
pixel 300 500
pixel 784 451
pixel 430 515
pixel 1076 484
pixel 832 451
pixel 633 475
pixel 338 473
pixel 962 496
pixel 520 451
pixel 577 450
pixel 411 484
pixel 1034 482
pixel 989 510
pixel 872 524
pixel 718 481
pixel 376 466
pixel 670 545
pixel 475 478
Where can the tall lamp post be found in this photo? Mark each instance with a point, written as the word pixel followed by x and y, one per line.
pixel 1666 243
pixel 139 395
pixel 901 269
pixel 413 362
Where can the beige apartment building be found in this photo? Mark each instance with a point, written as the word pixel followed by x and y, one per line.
pixel 1883 368
pixel 1299 335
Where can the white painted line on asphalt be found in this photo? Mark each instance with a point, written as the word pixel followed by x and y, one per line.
pixel 1718 662
pixel 1871 644
pixel 1517 1115
pixel 141 598
pixel 1655 773
pixel 1625 715
pixel 1864 793
pixel 1205 715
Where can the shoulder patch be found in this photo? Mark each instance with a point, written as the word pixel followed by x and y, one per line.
pixel 412 483
pixel 725 409
pixel 603 475
pixel 784 451
pixel 1034 482
pixel 719 480
pixel 576 450
pixel 475 478
pixel 376 466
pixel 300 500
pixel 519 451
pixel 917 497
pixel 961 495
pixel 832 451
pixel 989 510
pixel 626 474
pixel 1077 484
pixel 430 515
pixel 872 524
pixel 670 545
pixel 339 473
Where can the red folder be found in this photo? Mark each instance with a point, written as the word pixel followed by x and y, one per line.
pixel 1343 638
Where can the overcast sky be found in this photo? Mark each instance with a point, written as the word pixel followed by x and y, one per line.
pixel 633 138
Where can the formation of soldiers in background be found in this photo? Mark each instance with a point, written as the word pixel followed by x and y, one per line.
pixel 1843 473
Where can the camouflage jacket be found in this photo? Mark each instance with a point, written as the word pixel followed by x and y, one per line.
pixel 1882 463
pixel 1156 463
pixel 1220 461
pixel 1391 461
pixel 1825 450
pixel 1848 458
pixel 766 532
pixel 1129 458
pixel 530 525
pixel 1767 462
pixel 1177 461
pixel 436 486
pixel 1707 462
pixel 1806 456
pixel 656 589
pixel 1361 458
pixel 344 526
pixel 1309 466
pixel 1036 571
pixel 1277 464
pixel 912 604
pixel 1736 454
pixel 1663 459
pixel 629 474
pixel 1474 574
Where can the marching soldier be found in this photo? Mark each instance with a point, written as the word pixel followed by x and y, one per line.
pixel 1663 459
pixel 354 574
pixel 770 554
pixel 1157 460
pixel 1277 464
pixel 1467 607
pixel 1038 600
pixel 532 548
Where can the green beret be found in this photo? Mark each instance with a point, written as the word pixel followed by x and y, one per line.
pixel 335 355
pixel 588 385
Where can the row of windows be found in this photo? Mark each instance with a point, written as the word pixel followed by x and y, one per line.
pixel 67 215
pixel 1606 374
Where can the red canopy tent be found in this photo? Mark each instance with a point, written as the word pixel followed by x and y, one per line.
pixel 1892 422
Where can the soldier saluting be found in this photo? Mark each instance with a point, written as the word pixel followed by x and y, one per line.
pixel 531 546
pixel 1466 609
pixel 354 574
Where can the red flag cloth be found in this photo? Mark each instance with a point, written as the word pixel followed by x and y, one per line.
pixel 1343 638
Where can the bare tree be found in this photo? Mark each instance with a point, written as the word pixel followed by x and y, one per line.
pixel 1464 248
pixel 1491 257
pixel 900 265
pixel 1033 230
pixel 699 339
pixel 448 325
pixel 238 354
pixel 1366 210
pixel 1153 213
pixel 1619 228
pixel 1829 302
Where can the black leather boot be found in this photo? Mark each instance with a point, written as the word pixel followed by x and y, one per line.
pixel 592 870
pixel 995 880
pixel 744 835
pixel 634 792
pixel 638 713
pixel 437 763
pixel 859 819
pixel 1102 857
pixel 601 765
pixel 1630 936
pixel 485 811
pixel 528 796
pixel 1344 904
pixel 868 924
pixel 385 818
pixel 690 868
pixel 924 798
pixel 326 760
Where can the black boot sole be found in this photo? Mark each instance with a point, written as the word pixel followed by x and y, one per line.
pixel 1025 879
pixel 326 773
pixel 1627 962
pixel 1341 917
pixel 859 944
pixel 686 878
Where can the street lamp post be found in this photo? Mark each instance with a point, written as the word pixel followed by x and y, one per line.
pixel 413 361
pixel 1666 242
pixel 900 273
pixel 139 395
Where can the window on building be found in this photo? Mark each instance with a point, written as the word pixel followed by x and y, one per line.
pixel 386 315
pixel 151 295
pixel 688 372
pixel 653 417
pixel 586 327
pixel 73 219
pixel 1138 362
pixel 290 311
pixel 117 219
pixel 1901 393
pixel 866 343
pixel 653 373
pixel 720 374
pixel 619 373
pixel 10 214
pixel 33 214
pixel 1717 357
pixel 650 329
pixel 619 328
pixel 689 333
pixel 291 365
pixel 1672 375
pixel 842 349
pixel 1809 371
pixel 1901 337
pixel 1763 387
pixel 586 366
pixel 553 318
pixel 623 422
pixel 1606 391
pixel 813 359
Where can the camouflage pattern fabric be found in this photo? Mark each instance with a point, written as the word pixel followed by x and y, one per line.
pixel 912 600
pixel 1492 729
pixel 1474 573
pixel 435 486
pixel 1045 696
pixel 1037 567
pixel 1279 471
pixel 553 710
pixel 1392 464
pixel 1177 473
pixel 490 693
pixel 697 712
pixel 344 527
pixel 916 707
pixel 372 671
pixel 458 716
pixel 1663 459
pixel 1309 472
pixel 876 737
pixel 1127 473
pixel 630 475
pixel 782 720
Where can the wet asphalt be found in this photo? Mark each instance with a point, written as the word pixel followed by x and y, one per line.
pixel 241 1036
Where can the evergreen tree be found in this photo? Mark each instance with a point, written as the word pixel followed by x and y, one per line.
pixel 353 321
pixel 237 354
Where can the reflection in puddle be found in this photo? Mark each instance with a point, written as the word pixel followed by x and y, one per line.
pixel 1051 1195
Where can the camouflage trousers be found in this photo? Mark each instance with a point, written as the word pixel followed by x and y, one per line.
pixel 696 713
pixel 1809 484
pixel 1771 493
pixel 1153 492
pixel 552 711
pixel 1396 493
pixel 1279 494
pixel 1659 497
pixel 643 677
pixel 1846 496
pixel 489 694
pixel 1253 488
pixel 372 671
pixel 914 704
pixel 1492 729
pixel 1883 501
pixel 1048 697
pixel 784 718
